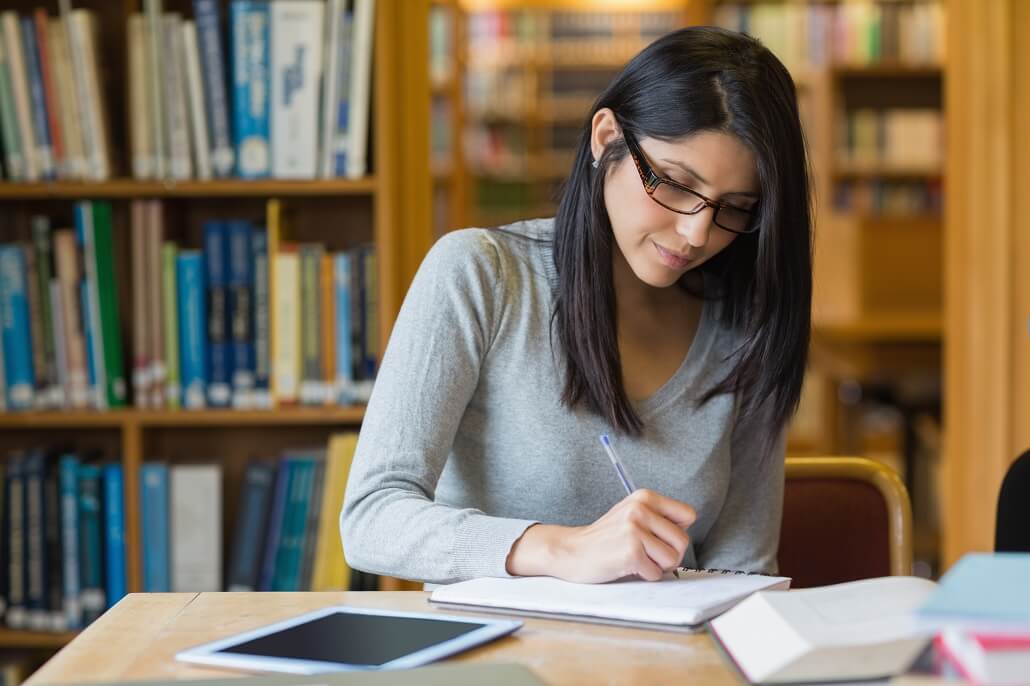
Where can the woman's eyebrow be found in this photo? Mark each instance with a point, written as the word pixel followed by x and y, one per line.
pixel 700 178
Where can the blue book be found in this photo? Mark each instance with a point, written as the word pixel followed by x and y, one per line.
pixel 251 64
pixel 15 553
pixel 37 96
pixel 216 249
pixel 251 522
pixel 114 529
pixel 982 592
pixel 192 329
pixel 91 543
pixel 153 483
pixel 34 473
pixel 216 99
pixel 297 521
pixel 19 374
pixel 342 279
pixel 262 325
pixel 273 540
pixel 241 309
pixel 68 475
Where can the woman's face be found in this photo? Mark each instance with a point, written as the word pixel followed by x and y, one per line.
pixel 658 244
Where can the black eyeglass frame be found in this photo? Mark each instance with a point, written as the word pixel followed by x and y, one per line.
pixel 651 181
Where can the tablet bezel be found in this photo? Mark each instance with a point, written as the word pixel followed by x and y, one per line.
pixel 208 654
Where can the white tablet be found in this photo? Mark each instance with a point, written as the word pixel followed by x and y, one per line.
pixel 349 638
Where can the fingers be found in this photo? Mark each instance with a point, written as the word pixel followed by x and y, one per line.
pixel 679 513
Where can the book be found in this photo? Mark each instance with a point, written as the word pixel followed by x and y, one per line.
pixel 196 546
pixel 114 533
pixel 209 32
pixel 68 106
pixel 14 160
pixel 216 249
pixel 296 63
pixel 21 99
pixel 91 562
pixel 982 592
pixel 240 304
pixel 19 374
pixel 251 523
pixel 154 533
pixel 330 571
pixel 68 474
pixel 360 88
pixel 37 100
pixel 190 54
pixel 260 396
pixel 192 331
pixel 107 294
pixel 249 27
pixel 856 630
pixel 682 601
pixel 998 660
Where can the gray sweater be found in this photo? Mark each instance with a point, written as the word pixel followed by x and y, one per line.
pixel 465 442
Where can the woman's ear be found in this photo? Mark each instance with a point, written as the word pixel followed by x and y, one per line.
pixel 603 130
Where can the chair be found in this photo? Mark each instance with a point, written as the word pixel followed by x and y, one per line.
pixel 844 518
pixel 1012 530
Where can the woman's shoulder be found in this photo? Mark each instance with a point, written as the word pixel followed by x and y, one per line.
pixel 494 250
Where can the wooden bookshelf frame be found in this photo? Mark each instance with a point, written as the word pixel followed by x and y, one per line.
pixel 401 231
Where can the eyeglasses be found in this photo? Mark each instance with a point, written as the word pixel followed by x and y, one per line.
pixel 683 200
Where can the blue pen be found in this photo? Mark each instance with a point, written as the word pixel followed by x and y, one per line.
pixel 619 469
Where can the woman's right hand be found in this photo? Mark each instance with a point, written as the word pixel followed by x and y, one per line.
pixel 643 535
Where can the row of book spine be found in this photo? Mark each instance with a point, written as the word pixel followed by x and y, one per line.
pixel 60 329
pixel 286 96
pixel 245 325
pixel 857 32
pixel 892 137
pixel 62 531
pixel 63 539
pixel 233 325
pixel 53 120
pixel 879 197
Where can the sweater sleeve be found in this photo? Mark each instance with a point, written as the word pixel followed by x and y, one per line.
pixel 746 534
pixel 390 523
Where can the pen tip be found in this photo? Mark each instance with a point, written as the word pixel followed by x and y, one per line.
pixel 604 439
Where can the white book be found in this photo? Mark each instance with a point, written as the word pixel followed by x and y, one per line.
pixel 360 87
pixel 195 96
pixel 286 332
pixel 681 601
pixel 335 12
pixel 155 88
pixel 20 89
pixel 857 630
pixel 139 114
pixel 12 154
pixel 296 39
pixel 178 124
pixel 195 493
pixel 68 106
pixel 83 35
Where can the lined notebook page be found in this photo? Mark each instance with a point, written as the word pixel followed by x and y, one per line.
pixel 692 598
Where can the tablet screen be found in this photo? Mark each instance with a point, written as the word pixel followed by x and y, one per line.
pixel 354 639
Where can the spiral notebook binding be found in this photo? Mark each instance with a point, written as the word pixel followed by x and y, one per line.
pixel 712 570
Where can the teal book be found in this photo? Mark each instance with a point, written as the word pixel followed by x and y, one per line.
pixel 982 592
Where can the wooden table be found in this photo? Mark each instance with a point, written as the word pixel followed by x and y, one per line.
pixel 139 636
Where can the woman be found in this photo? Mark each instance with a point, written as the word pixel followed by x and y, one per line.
pixel 667 304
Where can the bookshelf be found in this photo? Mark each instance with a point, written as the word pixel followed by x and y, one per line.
pixel 337 212
pixel 531 72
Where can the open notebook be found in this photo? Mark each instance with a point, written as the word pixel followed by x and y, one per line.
pixel 681 601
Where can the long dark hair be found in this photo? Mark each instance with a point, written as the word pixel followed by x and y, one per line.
pixel 692 80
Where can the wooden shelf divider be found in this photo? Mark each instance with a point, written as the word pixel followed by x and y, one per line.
pixel 222 188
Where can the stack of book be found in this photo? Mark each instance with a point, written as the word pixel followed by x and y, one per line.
pixel 249 321
pixel 981 612
pixel 854 33
pixel 53 119
pixel 62 530
pixel 63 538
pixel 286 97
pixel 61 333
